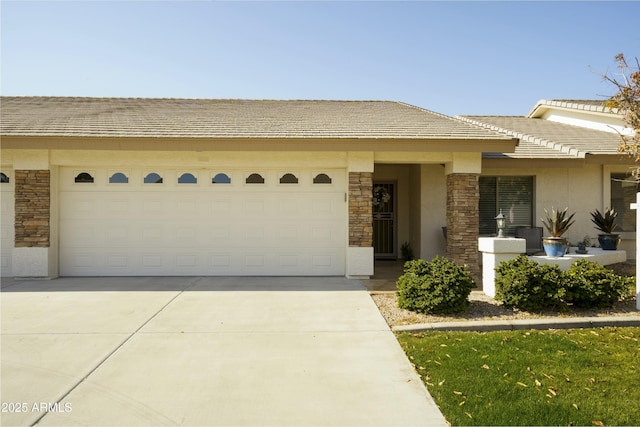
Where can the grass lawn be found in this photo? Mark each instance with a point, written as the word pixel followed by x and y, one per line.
pixel 556 377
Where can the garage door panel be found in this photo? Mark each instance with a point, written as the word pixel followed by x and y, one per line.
pixel 202 229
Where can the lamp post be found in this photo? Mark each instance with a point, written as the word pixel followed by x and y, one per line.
pixel 500 222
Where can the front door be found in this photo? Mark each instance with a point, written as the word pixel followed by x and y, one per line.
pixel 384 220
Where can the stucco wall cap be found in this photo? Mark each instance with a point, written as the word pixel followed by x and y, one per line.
pixel 508 245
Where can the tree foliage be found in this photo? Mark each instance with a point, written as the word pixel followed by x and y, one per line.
pixel 627 102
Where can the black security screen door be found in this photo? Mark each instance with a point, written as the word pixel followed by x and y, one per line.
pixel 384 220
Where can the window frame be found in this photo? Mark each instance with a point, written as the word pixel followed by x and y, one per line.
pixel 288 175
pixel 91 173
pixel 228 175
pixel 255 174
pixel 146 174
pixel 182 174
pixel 123 173
pixel 510 229
pixel 315 176
pixel 609 202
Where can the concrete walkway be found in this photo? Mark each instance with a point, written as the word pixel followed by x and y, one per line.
pixel 203 351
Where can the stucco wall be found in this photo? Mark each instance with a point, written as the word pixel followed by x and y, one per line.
pixel 433 210
pixel 602 122
pixel 415 214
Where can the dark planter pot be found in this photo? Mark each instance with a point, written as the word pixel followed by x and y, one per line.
pixel 555 246
pixel 609 242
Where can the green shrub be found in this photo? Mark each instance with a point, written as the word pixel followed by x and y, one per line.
pixel 588 284
pixel 528 285
pixel 436 286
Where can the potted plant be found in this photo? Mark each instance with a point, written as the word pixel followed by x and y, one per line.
pixel 557 223
pixel 583 245
pixel 407 252
pixel 607 224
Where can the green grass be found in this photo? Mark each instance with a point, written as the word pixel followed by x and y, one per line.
pixel 558 377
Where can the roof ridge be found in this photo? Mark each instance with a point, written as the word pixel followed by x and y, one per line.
pixel 191 98
pixel 542 142
pixel 452 118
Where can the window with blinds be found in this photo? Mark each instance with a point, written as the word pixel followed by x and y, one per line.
pixel 512 194
pixel 623 193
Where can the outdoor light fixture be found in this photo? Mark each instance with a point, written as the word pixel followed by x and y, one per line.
pixel 500 221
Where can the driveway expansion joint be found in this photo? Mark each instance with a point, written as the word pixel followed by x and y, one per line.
pixel 189 285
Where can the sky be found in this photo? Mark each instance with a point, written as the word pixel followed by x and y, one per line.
pixel 452 57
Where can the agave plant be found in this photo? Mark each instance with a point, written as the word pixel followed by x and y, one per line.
pixel 605 222
pixel 557 222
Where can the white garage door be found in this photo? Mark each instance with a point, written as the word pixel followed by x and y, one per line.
pixel 7 231
pixel 201 222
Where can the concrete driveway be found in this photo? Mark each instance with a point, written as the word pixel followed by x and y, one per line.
pixel 203 351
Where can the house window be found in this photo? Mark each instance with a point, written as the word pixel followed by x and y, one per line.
pixel 153 178
pixel 255 178
pixel 623 193
pixel 118 178
pixel 187 178
pixel 4 179
pixel 221 178
pixel 288 178
pixel 84 177
pixel 512 194
pixel 322 178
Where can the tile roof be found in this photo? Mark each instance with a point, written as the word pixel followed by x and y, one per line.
pixel 228 118
pixel 546 139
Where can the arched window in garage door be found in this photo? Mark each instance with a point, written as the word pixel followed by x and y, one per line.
pixel 221 178
pixel 255 178
pixel 322 178
pixel 118 178
pixel 187 178
pixel 84 177
pixel 288 178
pixel 153 178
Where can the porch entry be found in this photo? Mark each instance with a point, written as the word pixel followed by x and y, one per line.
pixel 384 220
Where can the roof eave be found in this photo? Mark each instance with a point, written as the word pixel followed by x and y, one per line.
pixel 544 105
pixel 444 144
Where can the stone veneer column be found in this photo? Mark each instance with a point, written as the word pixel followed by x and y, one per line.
pixel 463 220
pixel 361 209
pixel 360 250
pixel 32 208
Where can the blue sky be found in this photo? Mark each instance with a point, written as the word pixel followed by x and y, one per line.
pixel 450 57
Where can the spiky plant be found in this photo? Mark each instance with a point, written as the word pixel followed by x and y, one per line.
pixel 605 222
pixel 557 222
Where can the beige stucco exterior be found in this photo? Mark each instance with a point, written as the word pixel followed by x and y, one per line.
pixel 420 179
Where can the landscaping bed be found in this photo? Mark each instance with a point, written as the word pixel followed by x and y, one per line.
pixel 481 307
